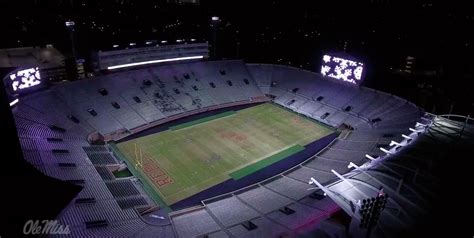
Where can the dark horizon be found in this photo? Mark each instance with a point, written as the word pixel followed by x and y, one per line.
pixel 380 33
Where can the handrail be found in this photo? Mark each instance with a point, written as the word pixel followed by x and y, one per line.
pixel 448 116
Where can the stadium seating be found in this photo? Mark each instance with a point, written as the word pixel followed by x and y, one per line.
pixel 303 173
pixel 104 173
pixel 258 198
pixel 195 222
pixel 220 209
pixel 289 187
pixel 265 228
pixel 53 126
pixel 302 215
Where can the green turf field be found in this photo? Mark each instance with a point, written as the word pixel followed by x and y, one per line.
pixel 194 156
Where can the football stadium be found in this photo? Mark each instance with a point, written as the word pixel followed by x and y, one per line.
pixel 257 154
pixel 166 140
pixel 202 153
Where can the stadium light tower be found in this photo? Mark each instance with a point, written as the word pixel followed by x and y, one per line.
pixel 70 25
pixel 215 23
pixel 72 62
pixel 366 214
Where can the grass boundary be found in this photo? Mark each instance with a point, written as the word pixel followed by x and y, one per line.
pixel 252 168
pixel 146 186
pixel 202 120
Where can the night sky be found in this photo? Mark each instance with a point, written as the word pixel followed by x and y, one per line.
pixel 381 33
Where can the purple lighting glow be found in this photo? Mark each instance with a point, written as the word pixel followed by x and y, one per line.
pixel 342 69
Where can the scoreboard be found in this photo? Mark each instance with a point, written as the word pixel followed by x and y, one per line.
pixel 20 81
pixel 346 70
pixel 24 79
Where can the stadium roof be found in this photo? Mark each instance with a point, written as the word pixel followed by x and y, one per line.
pixel 414 177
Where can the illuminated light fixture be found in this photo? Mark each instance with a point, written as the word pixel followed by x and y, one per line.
pixel 395 143
pixel 386 151
pixel 179 40
pixel 419 124
pixel 148 43
pixel 154 62
pixel 115 46
pixel 352 165
pixel 163 42
pixel 313 181
pixel 193 39
pixel 70 23
pixel 14 102
pixel 412 130
pixel 406 137
pixel 215 18
pixel 369 157
pixel 133 44
pixel 338 175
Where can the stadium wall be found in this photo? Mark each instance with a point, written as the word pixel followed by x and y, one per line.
pixel 186 117
pixel 121 134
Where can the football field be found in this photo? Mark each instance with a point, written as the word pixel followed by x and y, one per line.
pixel 191 157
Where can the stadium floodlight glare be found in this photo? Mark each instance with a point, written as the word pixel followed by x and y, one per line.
pixel 14 102
pixel 352 165
pixel 154 62
pixel 420 124
pixel 314 181
pixel 406 137
pixel 392 143
pixel 339 176
pixel 214 18
pixel 369 157
pixel 386 151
